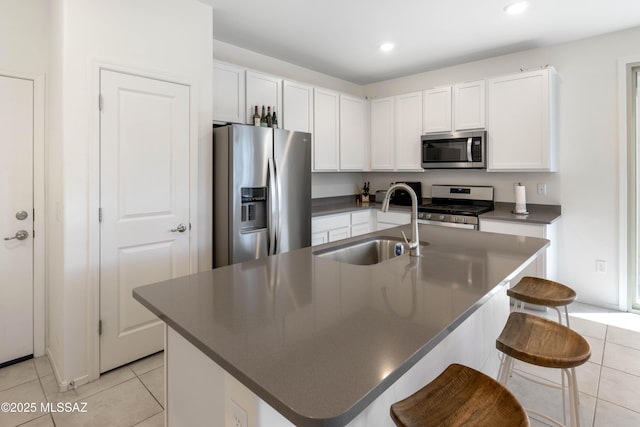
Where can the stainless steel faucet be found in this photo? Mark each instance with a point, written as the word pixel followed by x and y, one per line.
pixel 414 243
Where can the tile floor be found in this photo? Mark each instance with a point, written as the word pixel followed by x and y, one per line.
pixel 609 382
pixel 134 394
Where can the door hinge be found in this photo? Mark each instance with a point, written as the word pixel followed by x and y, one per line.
pixel 100 102
pixel 99 214
pixel 100 327
pixel 189 226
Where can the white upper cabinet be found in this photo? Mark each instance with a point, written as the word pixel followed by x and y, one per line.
pixel 262 89
pixel 469 105
pixel 521 122
pixel 437 110
pixel 408 128
pixel 396 126
pixel 228 93
pixel 383 133
pixel 326 136
pixel 353 132
pixel 297 103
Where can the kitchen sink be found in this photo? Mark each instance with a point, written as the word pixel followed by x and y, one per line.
pixel 372 250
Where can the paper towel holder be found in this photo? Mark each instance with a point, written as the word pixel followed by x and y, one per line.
pixel 521 206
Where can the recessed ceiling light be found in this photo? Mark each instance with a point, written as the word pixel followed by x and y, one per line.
pixel 516 8
pixel 386 47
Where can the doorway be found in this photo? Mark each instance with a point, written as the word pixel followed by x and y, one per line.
pixel 145 210
pixel 16 219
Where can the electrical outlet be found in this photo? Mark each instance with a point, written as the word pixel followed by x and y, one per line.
pixel 601 266
pixel 542 189
pixel 238 415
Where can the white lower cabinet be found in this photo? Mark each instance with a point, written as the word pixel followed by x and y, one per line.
pixel 386 220
pixel 361 222
pixel 545 265
pixel 329 228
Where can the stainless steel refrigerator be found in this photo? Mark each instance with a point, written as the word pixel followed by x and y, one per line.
pixel 262 192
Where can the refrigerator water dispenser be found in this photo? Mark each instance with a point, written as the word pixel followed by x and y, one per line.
pixel 254 209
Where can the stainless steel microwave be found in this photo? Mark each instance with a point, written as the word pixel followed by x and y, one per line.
pixel 457 150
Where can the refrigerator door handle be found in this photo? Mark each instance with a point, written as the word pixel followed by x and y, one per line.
pixel 273 209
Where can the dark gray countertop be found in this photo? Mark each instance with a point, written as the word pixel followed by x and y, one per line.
pixel 341 204
pixel 319 340
pixel 538 214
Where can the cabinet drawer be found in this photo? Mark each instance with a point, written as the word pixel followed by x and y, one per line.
pixel 363 217
pixel 329 222
pixel 397 218
pixel 514 228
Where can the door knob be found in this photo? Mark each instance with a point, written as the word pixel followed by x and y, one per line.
pixel 20 235
pixel 22 215
pixel 180 228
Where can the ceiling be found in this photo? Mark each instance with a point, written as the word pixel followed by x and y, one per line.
pixel 341 38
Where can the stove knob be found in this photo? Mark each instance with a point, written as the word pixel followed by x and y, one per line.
pixel 455 219
pixel 441 217
pixel 428 216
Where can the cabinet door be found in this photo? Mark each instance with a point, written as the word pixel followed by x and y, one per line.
pixel 228 93
pixel 520 128
pixel 538 268
pixel 326 120
pixel 469 105
pixel 262 89
pixel 339 234
pixel 360 222
pixel 408 130
pixel 353 144
pixel 297 107
pixel 319 238
pixel 437 110
pixel 382 133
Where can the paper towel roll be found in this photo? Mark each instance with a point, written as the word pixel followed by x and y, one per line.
pixel 521 199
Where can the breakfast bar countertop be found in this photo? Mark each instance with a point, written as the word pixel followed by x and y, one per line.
pixel 318 339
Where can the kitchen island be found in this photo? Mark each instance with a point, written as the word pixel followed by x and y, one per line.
pixel 299 339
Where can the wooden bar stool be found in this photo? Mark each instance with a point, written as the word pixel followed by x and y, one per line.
pixel 534 290
pixel 460 396
pixel 542 342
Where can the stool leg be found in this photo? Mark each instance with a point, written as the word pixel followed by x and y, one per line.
pixel 566 315
pixel 505 370
pixel 564 404
pixel 573 397
pixel 559 314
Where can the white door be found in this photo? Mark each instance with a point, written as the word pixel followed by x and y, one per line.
pixel 16 218
pixel 144 198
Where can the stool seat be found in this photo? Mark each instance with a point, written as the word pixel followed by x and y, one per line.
pixel 542 342
pixel 460 396
pixel 535 290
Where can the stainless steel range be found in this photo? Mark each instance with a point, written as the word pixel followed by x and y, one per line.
pixel 456 206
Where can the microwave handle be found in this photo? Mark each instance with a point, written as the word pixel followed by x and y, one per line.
pixel 469 157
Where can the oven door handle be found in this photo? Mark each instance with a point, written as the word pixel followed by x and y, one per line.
pixel 469 157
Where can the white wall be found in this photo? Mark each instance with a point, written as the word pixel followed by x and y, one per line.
pixel 23 36
pixel 246 58
pixel 167 37
pixel 586 184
